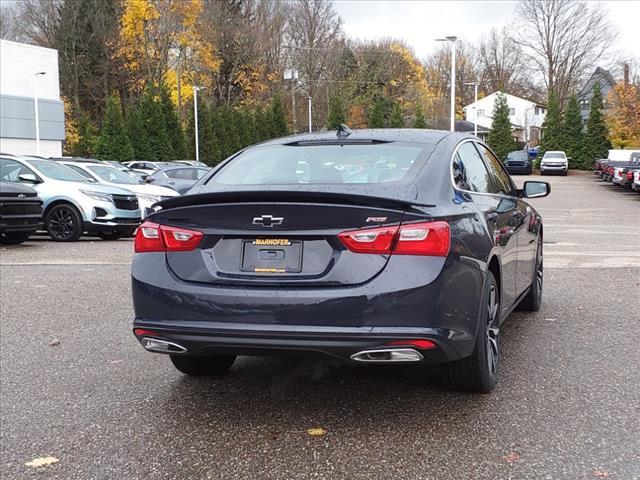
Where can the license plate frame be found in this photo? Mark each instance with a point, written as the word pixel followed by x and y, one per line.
pixel 271 256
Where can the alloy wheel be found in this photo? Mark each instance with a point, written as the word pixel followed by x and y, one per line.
pixel 493 330
pixel 62 224
pixel 539 272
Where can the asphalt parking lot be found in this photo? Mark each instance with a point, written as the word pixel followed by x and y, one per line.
pixel 76 385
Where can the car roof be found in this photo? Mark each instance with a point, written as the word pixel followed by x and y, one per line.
pixel 418 135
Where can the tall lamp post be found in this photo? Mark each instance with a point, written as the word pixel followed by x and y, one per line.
pixel 196 89
pixel 475 107
pixel 452 39
pixel 35 103
pixel 293 76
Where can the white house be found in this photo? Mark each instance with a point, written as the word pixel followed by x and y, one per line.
pixel 526 116
pixel 25 69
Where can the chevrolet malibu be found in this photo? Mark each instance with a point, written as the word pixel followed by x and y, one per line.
pixel 372 246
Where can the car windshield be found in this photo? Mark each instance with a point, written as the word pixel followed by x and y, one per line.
pixel 55 171
pixel 554 155
pixel 320 164
pixel 517 155
pixel 111 175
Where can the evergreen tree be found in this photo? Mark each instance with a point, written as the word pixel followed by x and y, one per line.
pixel 113 142
pixel 147 128
pixel 87 137
pixel 419 121
pixel 572 133
pixel 500 139
pixel 396 120
pixel 377 113
pixel 596 143
pixel 337 114
pixel 172 124
pixel 552 128
pixel 278 118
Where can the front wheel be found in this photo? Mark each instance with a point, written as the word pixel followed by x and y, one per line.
pixel 207 366
pixel 64 223
pixel 533 301
pixel 479 372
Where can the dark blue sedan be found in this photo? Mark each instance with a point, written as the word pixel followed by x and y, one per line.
pixel 371 246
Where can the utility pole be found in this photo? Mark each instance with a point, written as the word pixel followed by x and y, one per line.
pixel 196 89
pixel 293 76
pixel 452 39
pixel 310 123
pixel 35 103
pixel 475 107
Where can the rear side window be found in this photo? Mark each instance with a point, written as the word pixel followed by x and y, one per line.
pixel 469 171
pixel 321 164
pixel 10 170
pixel 501 182
pixel 182 173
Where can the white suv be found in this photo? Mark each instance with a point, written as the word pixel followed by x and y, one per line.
pixel 554 161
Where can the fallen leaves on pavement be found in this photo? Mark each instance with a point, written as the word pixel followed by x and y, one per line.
pixel 317 432
pixel 512 457
pixel 41 462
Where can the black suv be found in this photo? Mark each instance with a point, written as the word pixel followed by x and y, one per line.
pixel 20 213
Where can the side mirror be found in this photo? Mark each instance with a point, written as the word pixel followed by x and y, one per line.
pixel 568 158
pixel 29 178
pixel 536 189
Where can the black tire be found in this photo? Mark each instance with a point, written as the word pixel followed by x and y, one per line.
pixel 533 301
pixel 209 366
pixel 111 234
pixel 14 238
pixel 565 173
pixel 64 223
pixel 479 372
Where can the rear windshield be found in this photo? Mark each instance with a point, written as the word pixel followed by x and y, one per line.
pixel 320 164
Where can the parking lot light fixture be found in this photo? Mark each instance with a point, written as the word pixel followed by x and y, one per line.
pixel 35 103
pixel 452 39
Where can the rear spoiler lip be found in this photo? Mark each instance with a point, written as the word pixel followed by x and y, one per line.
pixel 286 196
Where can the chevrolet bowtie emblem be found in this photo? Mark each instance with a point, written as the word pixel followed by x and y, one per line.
pixel 268 220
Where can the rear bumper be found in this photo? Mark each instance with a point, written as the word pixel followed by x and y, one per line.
pixel 441 306
pixel 250 339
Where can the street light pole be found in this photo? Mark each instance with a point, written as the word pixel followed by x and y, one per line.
pixel 35 103
pixel 475 107
pixel 196 89
pixel 309 108
pixel 452 39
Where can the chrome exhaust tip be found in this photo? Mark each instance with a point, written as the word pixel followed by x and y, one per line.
pixel 162 346
pixel 388 355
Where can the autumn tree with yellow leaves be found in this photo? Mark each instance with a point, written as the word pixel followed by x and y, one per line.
pixel 623 119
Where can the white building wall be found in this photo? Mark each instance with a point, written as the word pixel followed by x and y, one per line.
pixel 20 62
pixel 26 146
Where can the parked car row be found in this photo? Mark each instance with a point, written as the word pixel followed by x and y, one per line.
pixel 624 173
pixel 521 161
pixel 69 197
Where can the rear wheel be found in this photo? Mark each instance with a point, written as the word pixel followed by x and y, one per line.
pixel 209 366
pixel 64 223
pixel 479 372
pixel 14 238
pixel 533 301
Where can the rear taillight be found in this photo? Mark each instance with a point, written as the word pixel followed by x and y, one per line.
pixel 629 175
pixel 428 238
pixel 152 237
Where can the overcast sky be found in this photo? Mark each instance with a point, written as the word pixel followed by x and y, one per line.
pixel 419 22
